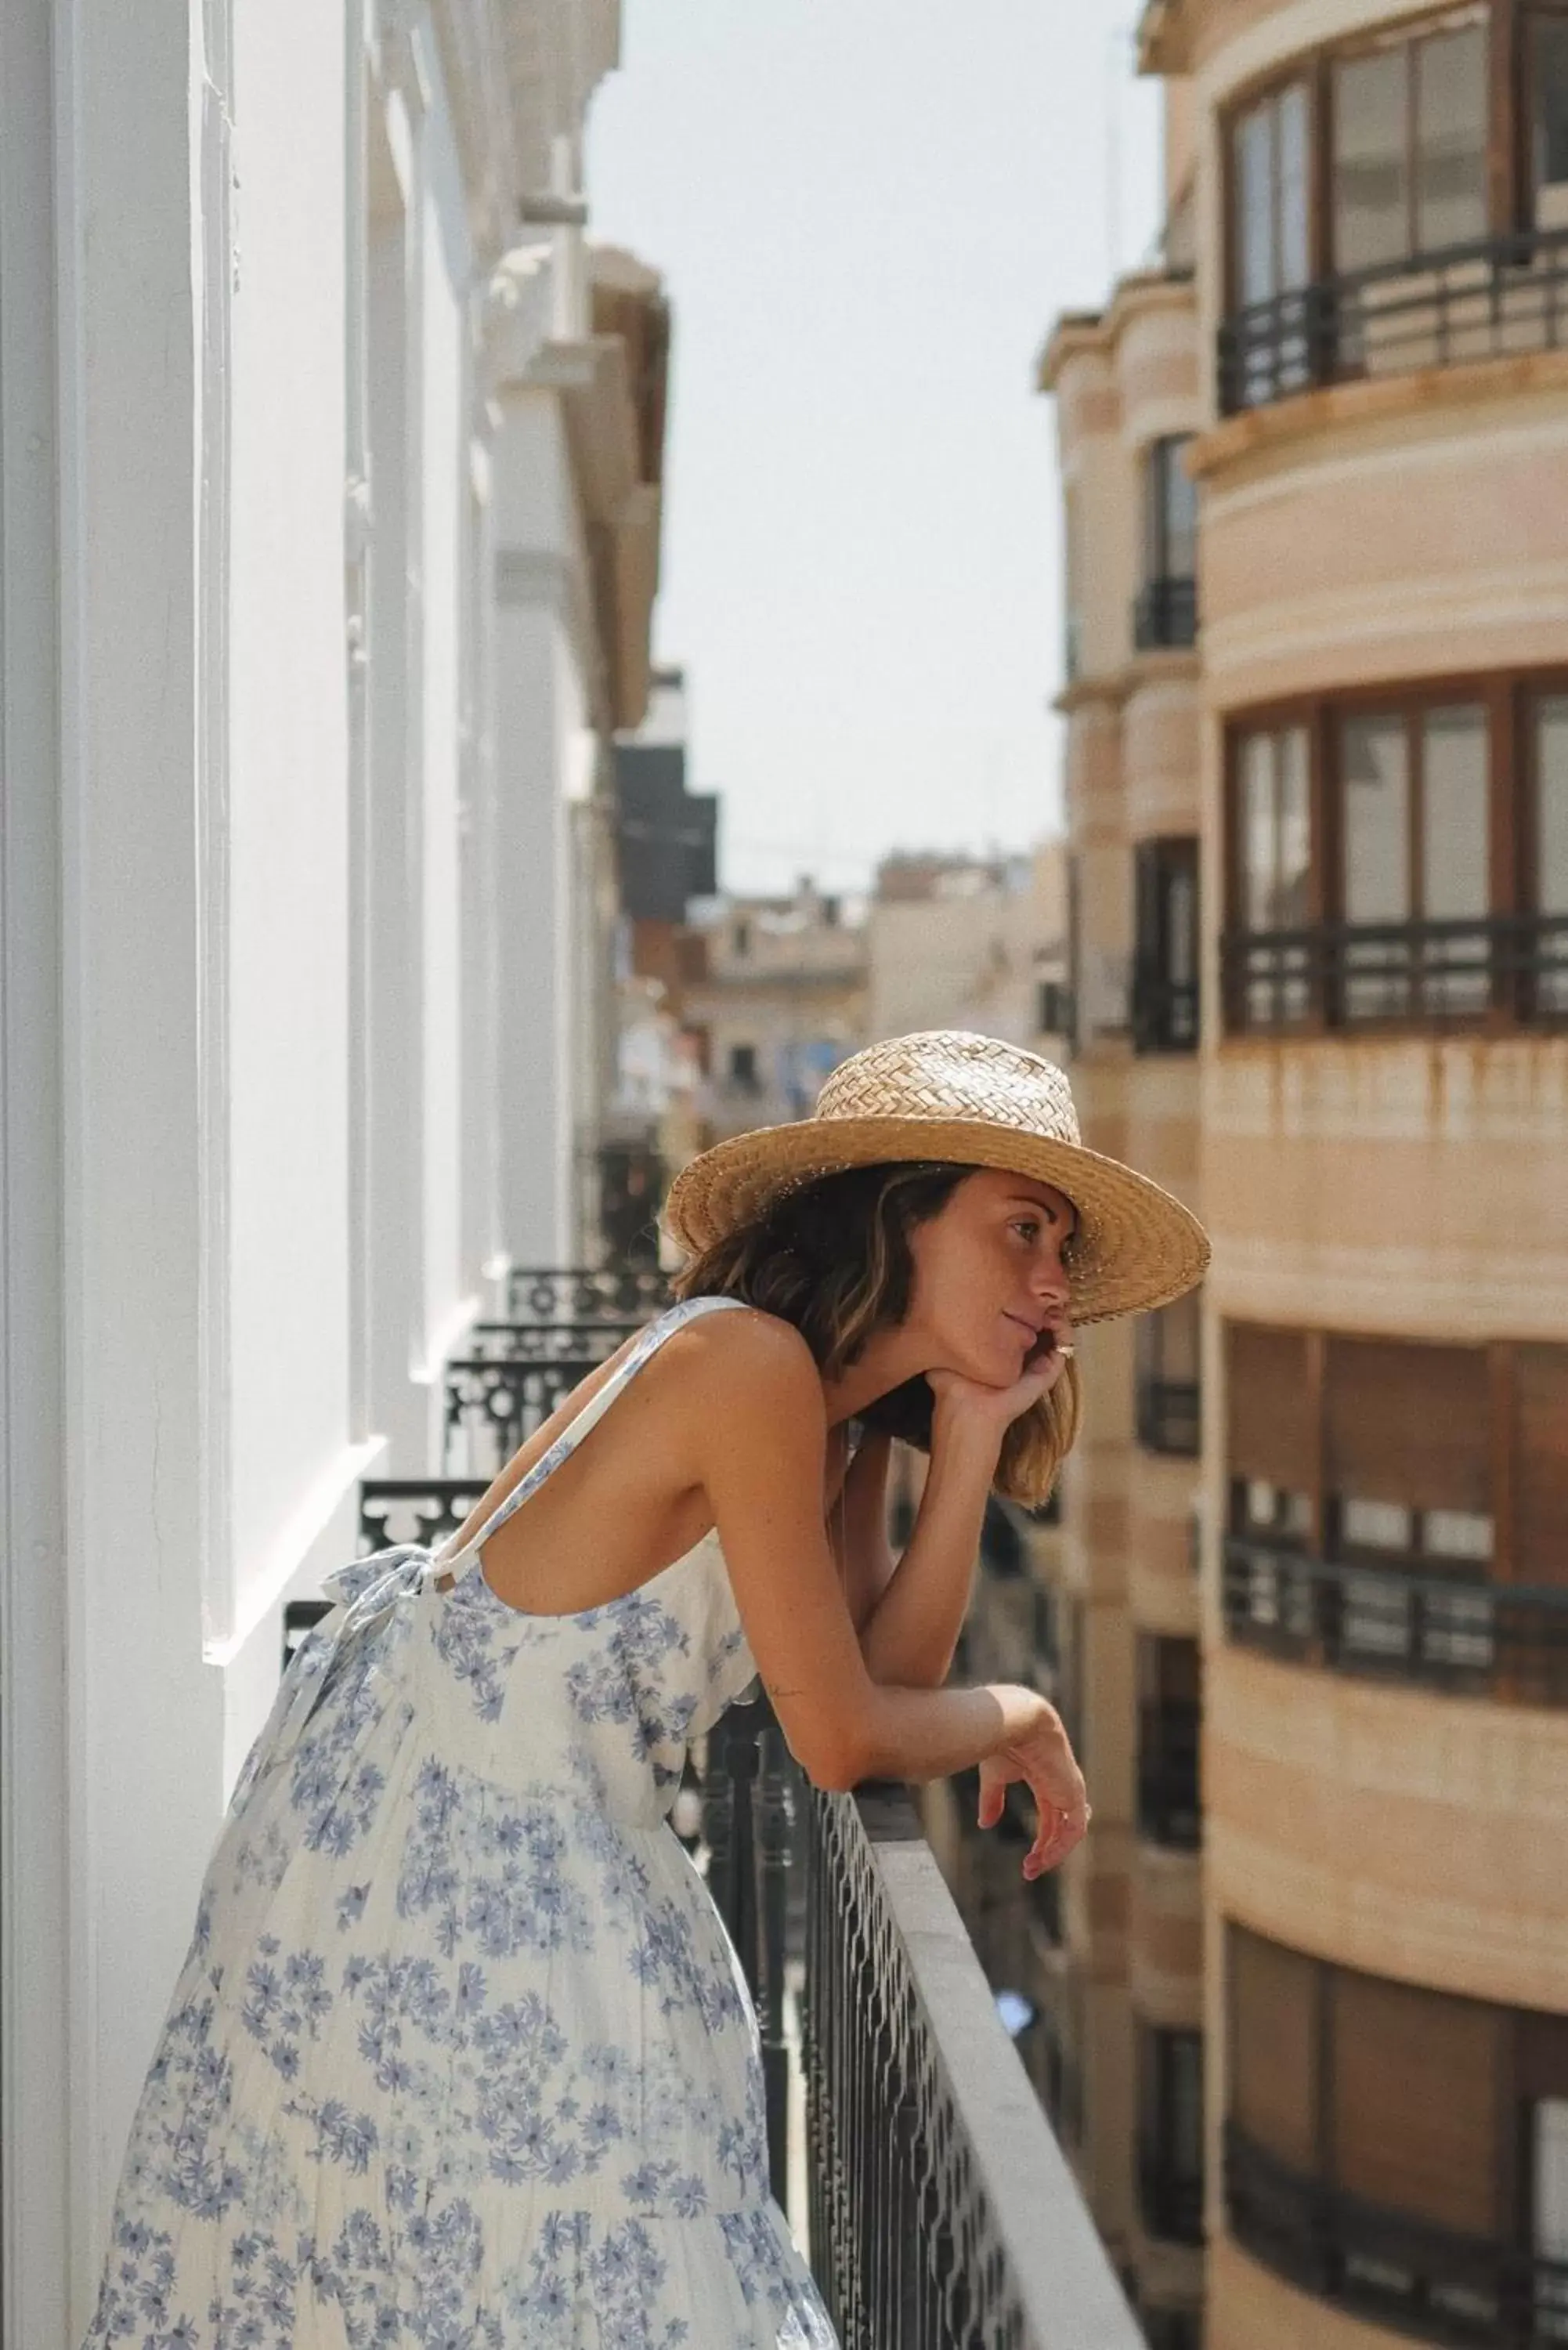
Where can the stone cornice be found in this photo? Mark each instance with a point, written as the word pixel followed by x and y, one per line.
pixel 1080 331
pixel 1115 686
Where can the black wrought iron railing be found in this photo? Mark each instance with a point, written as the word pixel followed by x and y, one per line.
pixel 1448 1631
pixel 1164 1011
pixel 1354 975
pixel 1169 1417
pixel 1491 300
pixel 611 1293
pixel 1165 615
pixel 1409 2273
pixel 511 1380
pixel 942 2210
pixel 1168 1807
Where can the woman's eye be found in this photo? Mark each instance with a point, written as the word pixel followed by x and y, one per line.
pixel 1027 1226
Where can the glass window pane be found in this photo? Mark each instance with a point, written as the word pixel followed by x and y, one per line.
pixel 1258 836
pixel 1253 227
pixel 1293 253
pixel 1370 176
pixel 1552 804
pixel 1454 828
pixel 1548 69
pixel 1295 829
pixel 1457 1533
pixel 1451 138
pixel 1178 1338
pixel 1181 926
pixel 1179 553
pixel 1375 1525
pixel 1375 770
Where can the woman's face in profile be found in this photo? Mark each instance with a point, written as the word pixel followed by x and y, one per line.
pixel 989 1276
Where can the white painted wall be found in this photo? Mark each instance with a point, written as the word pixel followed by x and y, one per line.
pixel 544 767
pixel 279 897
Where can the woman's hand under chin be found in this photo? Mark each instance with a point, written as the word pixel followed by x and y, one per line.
pixel 969 1404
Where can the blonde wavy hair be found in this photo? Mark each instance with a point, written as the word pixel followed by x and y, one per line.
pixel 833 1257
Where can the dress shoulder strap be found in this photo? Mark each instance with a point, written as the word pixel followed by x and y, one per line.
pixel 647 1343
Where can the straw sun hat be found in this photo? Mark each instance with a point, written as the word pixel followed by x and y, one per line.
pixel 947 1094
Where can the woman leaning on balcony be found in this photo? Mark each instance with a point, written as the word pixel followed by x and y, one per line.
pixel 461 2050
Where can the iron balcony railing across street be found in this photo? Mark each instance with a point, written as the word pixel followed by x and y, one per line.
pixel 1495 298
pixel 1406 1622
pixel 1505 967
pixel 1391 2267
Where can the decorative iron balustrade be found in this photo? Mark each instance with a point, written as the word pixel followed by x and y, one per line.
pixel 1169 1417
pixel 547 1342
pixel 1388 2266
pixel 1169 1812
pixel 942 2214
pixel 1451 1632
pixel 1489 299
pixel 751 1804
pixel 424 1510
pixel 494 1404
pixel 1165 615
pixel 1164 1012
pixel 624 1293
pixel 1349 974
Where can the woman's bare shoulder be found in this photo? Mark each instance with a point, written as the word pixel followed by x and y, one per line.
pixel 751 1353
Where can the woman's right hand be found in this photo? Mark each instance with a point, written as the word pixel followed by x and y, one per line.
pixel 1033 1746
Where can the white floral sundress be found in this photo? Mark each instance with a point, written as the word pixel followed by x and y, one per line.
pixel 462 2055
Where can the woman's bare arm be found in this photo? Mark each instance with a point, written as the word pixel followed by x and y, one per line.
pixel 913 1627
pixel 857 1527
pixel 755 1425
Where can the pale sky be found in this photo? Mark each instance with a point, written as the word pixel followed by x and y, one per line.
pixel 868 214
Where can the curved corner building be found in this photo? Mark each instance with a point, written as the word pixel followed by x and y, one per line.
pixel 1376 215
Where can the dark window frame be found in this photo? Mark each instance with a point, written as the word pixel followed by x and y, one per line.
pixel 1169 1412
pixel 1164 1007
pixel 1169 1797
pixel 1519 992
pixel 1164 611
pixel 1170 2191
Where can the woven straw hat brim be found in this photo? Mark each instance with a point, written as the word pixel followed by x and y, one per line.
pixel 1136 1246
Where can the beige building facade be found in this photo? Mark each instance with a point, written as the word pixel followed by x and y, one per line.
pixel 1376 754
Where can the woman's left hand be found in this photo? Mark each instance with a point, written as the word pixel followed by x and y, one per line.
pixel 961 1401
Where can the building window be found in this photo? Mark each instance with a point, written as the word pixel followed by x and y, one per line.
pixel 1170 2133
pixel 1172 2329
pixel 1364 883
pixel 1546 83
pixel 744 1068
pixel 1271 865
pixel 1168 1715
pixel 1166 1344
pixel 1370 232
pixel 741 938
pixel 1374 2140
pixel 1272 195
pixel 1072 577
pixel 1365 1531
pixel 1165 946
pixel 1407 170
pixel 1165 610
pixel 1547 752
pixel 1054 1008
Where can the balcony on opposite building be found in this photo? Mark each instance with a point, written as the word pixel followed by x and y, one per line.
pixel 1398 203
